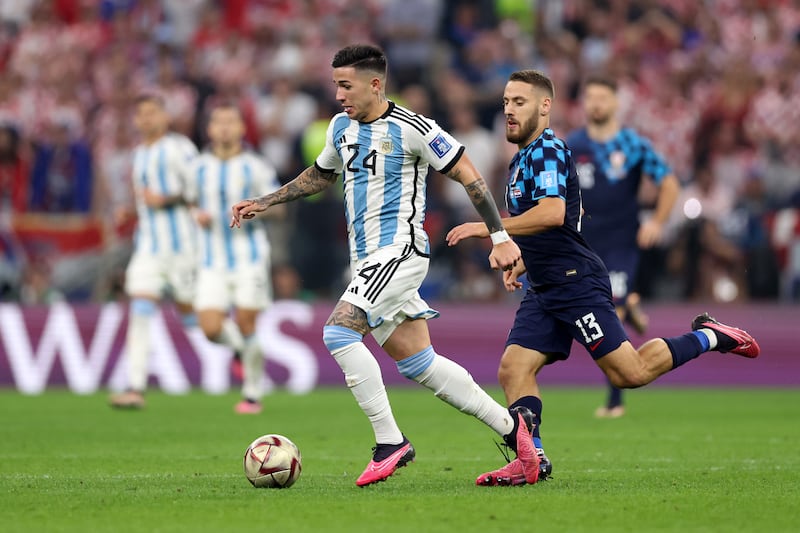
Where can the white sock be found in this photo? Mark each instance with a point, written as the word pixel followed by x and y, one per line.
pixel 712 337
pixel 363 376
pixel 252 369
pixel 138 350
pixel 231 336
pixel 451 383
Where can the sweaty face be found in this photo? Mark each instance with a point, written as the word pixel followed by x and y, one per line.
pixel 521 103
pixel 355 92
pixel 599 104
pixel 225 127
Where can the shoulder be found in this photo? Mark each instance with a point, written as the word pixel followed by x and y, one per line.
pixel 203 160
pixel 180 142
pixel 410 120
pixel 254 159
pixel 633 137
pixel 550 141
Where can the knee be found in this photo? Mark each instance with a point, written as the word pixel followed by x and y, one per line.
pixel 513 368
pixel 338 337
pixel 628 380
pixel 212 328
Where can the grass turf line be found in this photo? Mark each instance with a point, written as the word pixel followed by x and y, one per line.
pixel 681 460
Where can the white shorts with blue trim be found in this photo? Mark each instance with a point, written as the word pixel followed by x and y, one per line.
pixel 246 287
pixel 156 276
pixel 385 285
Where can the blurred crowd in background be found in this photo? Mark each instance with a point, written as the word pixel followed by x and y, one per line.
pixel 715 85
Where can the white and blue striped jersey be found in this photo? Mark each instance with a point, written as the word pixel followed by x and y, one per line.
pixel 384 165
pixel 164 168
pixel 217 185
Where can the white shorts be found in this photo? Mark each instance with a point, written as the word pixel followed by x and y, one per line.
pixel 243 288
pixel 385 286
pixel 157 275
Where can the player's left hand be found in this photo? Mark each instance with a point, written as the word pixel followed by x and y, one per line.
pixel 505 255
pixel 466 231
pixel 511 277
pixel 649 234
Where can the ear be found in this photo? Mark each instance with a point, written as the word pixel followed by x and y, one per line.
pixel 544 106
pixel 377 85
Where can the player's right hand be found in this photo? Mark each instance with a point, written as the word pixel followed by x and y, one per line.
pixel 246 209
pixel 505 255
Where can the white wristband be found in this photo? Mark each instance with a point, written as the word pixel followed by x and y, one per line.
pixel 499 236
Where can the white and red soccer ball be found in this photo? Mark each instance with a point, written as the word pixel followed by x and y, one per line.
pixel 272 461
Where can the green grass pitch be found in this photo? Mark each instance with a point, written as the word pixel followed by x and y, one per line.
pixel 681 460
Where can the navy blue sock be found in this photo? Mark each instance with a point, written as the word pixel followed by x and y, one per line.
pixel 686 347
pixel 535 405
pixel 614 396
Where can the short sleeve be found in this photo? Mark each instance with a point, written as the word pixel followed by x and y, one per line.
pixel 329 159
pixel 437 147
pixel 653 163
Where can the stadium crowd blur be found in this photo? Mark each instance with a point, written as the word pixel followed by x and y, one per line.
pixel 715 84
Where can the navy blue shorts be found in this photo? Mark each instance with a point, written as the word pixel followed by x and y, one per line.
pixel 621 265
pixel 549 319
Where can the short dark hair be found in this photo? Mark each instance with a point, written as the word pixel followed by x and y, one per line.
pixel 536 78
pixel 225 104
pixel 361 57
pixel 602 80
pixel 151 97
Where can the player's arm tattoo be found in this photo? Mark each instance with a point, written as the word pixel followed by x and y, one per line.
pixel 311 181
pixel 482 200
pixel 349 316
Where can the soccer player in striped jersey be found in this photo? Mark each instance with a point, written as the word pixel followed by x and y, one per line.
pixel 611 162
pixel 383 151
pixel 233 266
pixel 163 259
pixel 569 297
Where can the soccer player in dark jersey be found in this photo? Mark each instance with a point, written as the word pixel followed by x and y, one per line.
pixel 570 294
pixel 611 162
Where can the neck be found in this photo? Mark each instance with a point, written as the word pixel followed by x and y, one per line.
pixel 603 131
pixel 380 108
pixel 152 139
pixel 227 151
pixel 535 135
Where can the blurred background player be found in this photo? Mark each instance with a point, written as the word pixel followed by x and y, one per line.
pixel 383 152
pixel 612 163
pixel 569 296
pixel 163 259
pixel 233 266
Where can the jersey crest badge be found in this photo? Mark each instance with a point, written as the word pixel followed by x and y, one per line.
pixel 385 145
pixel 617 161
pixel 440 145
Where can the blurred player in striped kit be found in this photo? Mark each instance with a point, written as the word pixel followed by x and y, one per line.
pixel 612 162
pixel 163 260
pixel 383 152
pixel 233 266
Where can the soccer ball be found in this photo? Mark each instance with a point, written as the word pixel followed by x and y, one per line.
pixel 272 461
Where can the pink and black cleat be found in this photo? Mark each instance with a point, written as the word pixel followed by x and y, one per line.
pixel 729 338
pixel 386 458
pixel 524 469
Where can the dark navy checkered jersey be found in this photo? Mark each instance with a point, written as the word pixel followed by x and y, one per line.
pixel 543 169
pixel 610 173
